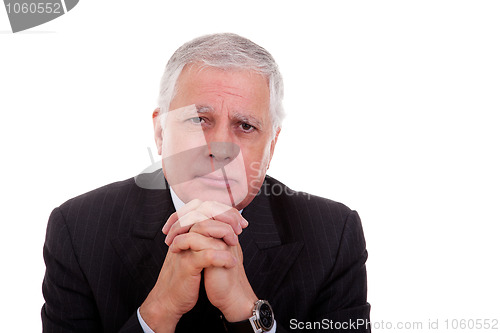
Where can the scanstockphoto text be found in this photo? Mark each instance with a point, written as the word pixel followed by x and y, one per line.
pixel 444 324
pixel 277 190
pixel 329 324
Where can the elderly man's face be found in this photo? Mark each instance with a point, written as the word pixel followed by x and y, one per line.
pixel 217 140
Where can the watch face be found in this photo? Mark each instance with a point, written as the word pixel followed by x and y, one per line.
pixel 266 316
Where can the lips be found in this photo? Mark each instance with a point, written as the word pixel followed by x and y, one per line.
pixel 218 182
pixel 196 162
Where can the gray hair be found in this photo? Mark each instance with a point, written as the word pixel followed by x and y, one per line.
pixel 225 51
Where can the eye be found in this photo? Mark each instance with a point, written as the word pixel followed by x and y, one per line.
pixel 196 120
pixel 247 127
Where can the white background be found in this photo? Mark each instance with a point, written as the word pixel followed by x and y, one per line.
pixel 392 109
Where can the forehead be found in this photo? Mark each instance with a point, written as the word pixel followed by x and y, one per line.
pixel 235 88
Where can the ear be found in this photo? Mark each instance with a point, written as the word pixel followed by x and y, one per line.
pixel 273 144
pixel 158 130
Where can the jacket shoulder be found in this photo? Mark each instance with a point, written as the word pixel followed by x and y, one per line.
pixel 119 194
pixel 303 216
pixel 281 193
pixel 103 195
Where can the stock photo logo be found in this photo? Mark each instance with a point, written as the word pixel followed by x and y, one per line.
pixel 26 14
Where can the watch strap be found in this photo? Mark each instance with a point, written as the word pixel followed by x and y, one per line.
pixel 244 326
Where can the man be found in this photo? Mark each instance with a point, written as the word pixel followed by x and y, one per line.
pixel 208 242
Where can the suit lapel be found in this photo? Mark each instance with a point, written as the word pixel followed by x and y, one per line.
pixel 266 257
pixel 141 247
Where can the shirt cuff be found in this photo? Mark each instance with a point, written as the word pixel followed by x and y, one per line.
pixel 147 329
pixel 144 326
pixel 273 330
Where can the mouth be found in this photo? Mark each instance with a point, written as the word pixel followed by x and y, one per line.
pixel 215 181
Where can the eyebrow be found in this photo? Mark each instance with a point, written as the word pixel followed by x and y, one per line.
pixel 241 117
pixel 204 109
pixel 247 119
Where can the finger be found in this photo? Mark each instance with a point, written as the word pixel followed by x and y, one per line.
pixel 175 230
pixel 192 217
pixel 211 209
pixel 192 205
pixel 216 229
pixel 212 258
pixel 183 225
pixel 196 242
pixel 171 220
pixel 224 213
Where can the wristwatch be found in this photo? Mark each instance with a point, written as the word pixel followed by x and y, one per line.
pixel 262 320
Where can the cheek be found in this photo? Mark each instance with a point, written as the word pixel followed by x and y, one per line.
pixel 176 141
pixel 256 162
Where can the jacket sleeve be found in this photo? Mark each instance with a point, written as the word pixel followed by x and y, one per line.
pixel 340 305
pixel 343 298
pixel 69 302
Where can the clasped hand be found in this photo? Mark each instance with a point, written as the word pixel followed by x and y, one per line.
pixel 202 236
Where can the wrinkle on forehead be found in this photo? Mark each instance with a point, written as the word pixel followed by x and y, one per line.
pixel 222 90
pixel 220 87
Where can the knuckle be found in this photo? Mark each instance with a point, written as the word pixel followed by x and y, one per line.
pixel 220 245
pixel 175 246
pixel 177 241
pixel 175 226
pixel 228 228
pixel 197 227
pixel 233 213
pixel 210 255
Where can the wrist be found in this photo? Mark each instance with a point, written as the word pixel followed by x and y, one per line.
pixel 262 320
pixel 240 310
pixel 158 317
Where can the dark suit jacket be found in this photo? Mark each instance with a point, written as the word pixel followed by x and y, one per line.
pixel 104 250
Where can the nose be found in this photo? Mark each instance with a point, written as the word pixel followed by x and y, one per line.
pixel 221 148
pixel 223 152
